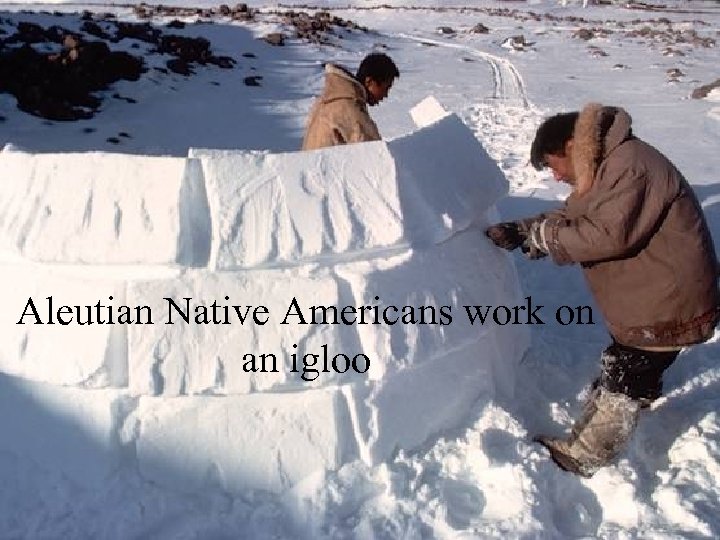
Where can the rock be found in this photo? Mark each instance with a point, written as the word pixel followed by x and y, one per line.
pixel 60 86
pixel 252 80
pixel 703 91
pixel 480 28
pixel 445 30
pixel 71 42
pixel 223 62
pixel 241 15
pixel 179 66
pixel 94 29
pixel 584 33
pixel 275 38
pixel 669 51
pixel 140 31
pixel 516 43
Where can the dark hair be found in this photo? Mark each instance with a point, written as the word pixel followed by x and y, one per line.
pixel 379 67
pixel 551 136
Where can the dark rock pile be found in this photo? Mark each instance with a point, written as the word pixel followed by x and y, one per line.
pixel 318 27
pixel 241 12
pixel 60 85
pixel 702 92
pixel 480 28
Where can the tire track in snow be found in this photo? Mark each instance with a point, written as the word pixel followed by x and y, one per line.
pixel 505 123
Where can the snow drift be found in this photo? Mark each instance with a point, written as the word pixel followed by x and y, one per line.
pixel 396 223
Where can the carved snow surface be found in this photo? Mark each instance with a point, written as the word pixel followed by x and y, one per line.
pixel 102 208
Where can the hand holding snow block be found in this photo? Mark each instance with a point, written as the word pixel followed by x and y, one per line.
pixel 241 443
pixel 446 180
pixel 102 209
pixel 73 354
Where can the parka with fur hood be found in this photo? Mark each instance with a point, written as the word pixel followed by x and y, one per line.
pixel 636 227
pixel 340 115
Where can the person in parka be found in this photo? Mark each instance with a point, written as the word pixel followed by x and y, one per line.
pixel 340 115
pixel 635 226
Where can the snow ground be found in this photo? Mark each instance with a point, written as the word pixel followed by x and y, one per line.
pixel 485 479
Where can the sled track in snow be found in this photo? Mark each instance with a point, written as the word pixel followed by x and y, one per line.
pixel 504 122
pixel 508 85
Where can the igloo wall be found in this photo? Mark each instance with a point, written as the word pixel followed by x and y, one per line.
pixel 396 223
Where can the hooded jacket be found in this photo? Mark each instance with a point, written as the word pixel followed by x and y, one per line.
pixel 339 115
pixel 636 227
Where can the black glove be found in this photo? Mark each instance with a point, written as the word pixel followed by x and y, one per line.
pixel 531 252
pixel 506 235
pixel 534 246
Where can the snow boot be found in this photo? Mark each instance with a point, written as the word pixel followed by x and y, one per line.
pixel 606 424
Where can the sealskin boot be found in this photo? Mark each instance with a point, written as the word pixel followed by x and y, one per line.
pixel 606 424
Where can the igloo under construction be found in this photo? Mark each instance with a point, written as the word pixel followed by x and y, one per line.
pixel 225 275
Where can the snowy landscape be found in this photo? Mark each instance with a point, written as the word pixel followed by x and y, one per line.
pixel 177 173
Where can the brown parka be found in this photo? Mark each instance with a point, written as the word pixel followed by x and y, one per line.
pixel 637 229
pixel 339 115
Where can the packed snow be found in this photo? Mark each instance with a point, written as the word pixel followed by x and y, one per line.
pixel 155 430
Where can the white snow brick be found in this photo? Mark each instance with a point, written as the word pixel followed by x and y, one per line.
pixel 425 377
pixel 427 112
pixel 405 410
pixel 179 358
pixel 61 430
pixel 465 270
pixel 274 208
pixel 256 442
pixel 103 209
pixel 350 200
pixel 446 180
pixel 89 355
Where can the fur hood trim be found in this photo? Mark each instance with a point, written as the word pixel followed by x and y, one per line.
pixel 598 131
pixel 341 84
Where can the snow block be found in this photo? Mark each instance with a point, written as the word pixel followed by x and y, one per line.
pixel 275 208
pixel 436 284
pixel 347 200
pixel 446 180
pixel 433 372
pixel 59 431
pixel 257 442
pixel 195 358
pixel 427 112
pixel 406 410
pixel 103 208
pixel 90 355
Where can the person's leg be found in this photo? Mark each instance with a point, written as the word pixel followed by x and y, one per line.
pixel 629 377
pixel 635 372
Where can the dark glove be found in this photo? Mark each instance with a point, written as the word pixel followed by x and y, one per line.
pixel 506 235
pixel 531 252
pixel 534 246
